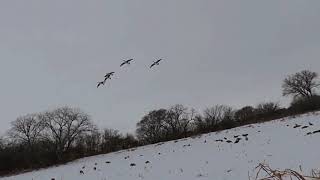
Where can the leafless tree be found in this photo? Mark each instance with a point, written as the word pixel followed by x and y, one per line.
pixel 188 120
pixel 199 124
pixel 244 114
pixel 228 114
pixel 92 141
pixel 165 124
pixel 110 140
pixel 176 119
pixel 27 129
pixel 301 84
pixel 151 127
pixel 128 141
pixel 267 108
pixel 64 125
pixel 216 114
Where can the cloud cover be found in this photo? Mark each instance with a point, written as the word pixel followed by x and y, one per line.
pixel 52 53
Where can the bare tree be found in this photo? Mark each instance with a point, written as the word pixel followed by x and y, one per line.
pixel 129 141
pixel 264 110
pixel 244 114
pixel 92 141
pixel 215 114
pixel 228 118
pixel 151 127
pixel 199 124
pixel 301 84
pixel 165 124
pixel 64 125
pixel 110 140
pixel 27 129
pixel 188 120
pixel 215 117
pixel 178 119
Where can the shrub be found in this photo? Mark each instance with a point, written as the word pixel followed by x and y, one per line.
pixel 299 105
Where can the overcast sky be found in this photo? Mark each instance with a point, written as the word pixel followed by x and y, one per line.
pixel 52 53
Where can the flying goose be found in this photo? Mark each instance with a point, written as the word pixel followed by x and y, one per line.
pixel 109 74
pixel 126 62
pixel 100 83
pixel 156 63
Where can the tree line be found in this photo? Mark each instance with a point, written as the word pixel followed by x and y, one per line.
pixel 57 136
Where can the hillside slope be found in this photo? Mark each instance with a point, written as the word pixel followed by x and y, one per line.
pixel 280 143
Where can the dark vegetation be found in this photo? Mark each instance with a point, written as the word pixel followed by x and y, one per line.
pixel 64 134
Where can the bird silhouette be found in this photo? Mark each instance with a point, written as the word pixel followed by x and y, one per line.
pixel 106 78
pixel 126 62
pixel 109 74
pixel 156 63
pixel 100 83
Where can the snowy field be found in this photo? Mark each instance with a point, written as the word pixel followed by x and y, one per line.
pixel 281 143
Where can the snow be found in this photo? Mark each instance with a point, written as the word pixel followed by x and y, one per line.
pixel 276 143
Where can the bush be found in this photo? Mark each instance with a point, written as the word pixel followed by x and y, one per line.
pixel 228 124
pixel 299 105
pixel 245 114
pixel 267 110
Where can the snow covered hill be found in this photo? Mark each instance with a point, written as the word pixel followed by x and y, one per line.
pixel 286 143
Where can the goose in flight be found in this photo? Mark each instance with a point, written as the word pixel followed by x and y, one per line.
pixel 106 78
pixel 108 75
pixel 155 63
pixel 126 62
pixel 100 83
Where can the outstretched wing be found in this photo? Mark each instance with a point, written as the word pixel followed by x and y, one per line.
pixel 101 83
pixel 126 62
pixel 109 74
pixel 106 78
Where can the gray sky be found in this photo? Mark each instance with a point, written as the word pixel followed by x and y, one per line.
pixel 52 53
